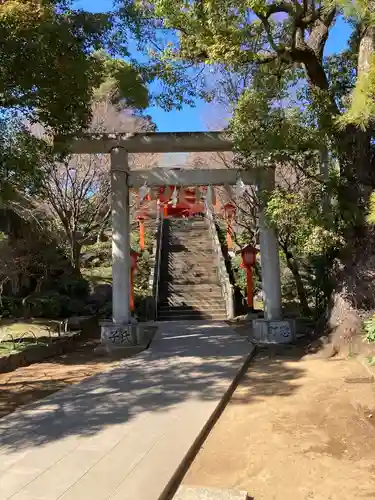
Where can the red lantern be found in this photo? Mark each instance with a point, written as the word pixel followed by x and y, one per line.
pixel 133 259
pixel 249 255
pixel 190 195
pixel 230 210
pixel 163 195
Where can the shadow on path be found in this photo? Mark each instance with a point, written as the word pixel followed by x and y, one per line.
pixel 188 362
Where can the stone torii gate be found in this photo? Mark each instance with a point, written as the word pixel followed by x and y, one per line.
pixel 122 179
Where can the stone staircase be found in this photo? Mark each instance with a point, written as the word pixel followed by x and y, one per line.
pixel 189 284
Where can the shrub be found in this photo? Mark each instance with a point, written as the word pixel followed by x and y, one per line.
pixel 54 305
pixel 73 287
pixel 97 254
pixel 45 306
pixel 71 306
pixel 369 328
pixel 11 307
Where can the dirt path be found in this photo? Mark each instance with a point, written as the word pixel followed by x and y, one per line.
pixel 294 430
pixel 38 380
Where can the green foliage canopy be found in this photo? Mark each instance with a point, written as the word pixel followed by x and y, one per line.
pixel 20 159
pixel 50 65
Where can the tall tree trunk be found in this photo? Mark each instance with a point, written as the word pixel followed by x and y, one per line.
pixel 355 142
pixel 75 255
pixel 354 297
pixel 100 237
pixel 302 297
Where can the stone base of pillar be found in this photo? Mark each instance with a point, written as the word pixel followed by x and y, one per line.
pixel 273 331
pixel 129 336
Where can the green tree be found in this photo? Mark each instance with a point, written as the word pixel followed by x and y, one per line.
pixel 54 63
pixel 286 41
pixel 50 64
pixel 273 34
pixel 20 159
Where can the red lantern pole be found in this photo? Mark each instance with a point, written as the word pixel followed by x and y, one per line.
pixel 163 198
pixel 230 211
pixel 250 290
pixel 229 234
pixel 132 290
pixel 142 234
pixel 133 267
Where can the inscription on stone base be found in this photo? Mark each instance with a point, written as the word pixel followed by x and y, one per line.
pixel 133 335
pixel 119 335
pixel 273 332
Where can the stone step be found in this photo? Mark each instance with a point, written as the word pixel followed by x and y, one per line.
pixel 189 251
pixel 188 246
pixel 188 229
pixel 188 275
pixel 188 271
pixel 191 240
pixel 189 235
pixel 186 235
pixel 189 267
pixel 186 281
pixel 195 255
pixel 192 270
pixel 192 289
pixel 188 224
pixel 191 259
pixel 198 248
pixel 165 306
pixel 205 266
pixel 191 278
pixel 173 298
pixel 193 301
pixel 182 263
pixel 190 316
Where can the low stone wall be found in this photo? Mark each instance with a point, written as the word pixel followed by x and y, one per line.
pixel 38 353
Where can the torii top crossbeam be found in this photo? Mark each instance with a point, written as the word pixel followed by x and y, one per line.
pixel 164 142
pixel 149 142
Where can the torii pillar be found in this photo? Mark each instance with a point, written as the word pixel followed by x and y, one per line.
pixel 269 255
pixel 120 237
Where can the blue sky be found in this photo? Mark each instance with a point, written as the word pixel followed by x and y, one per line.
pixel 193 119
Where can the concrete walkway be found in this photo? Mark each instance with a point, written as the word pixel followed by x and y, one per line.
pixel 124 434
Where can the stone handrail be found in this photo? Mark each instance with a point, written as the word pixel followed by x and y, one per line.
pixel 226 286
pixel 154 279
